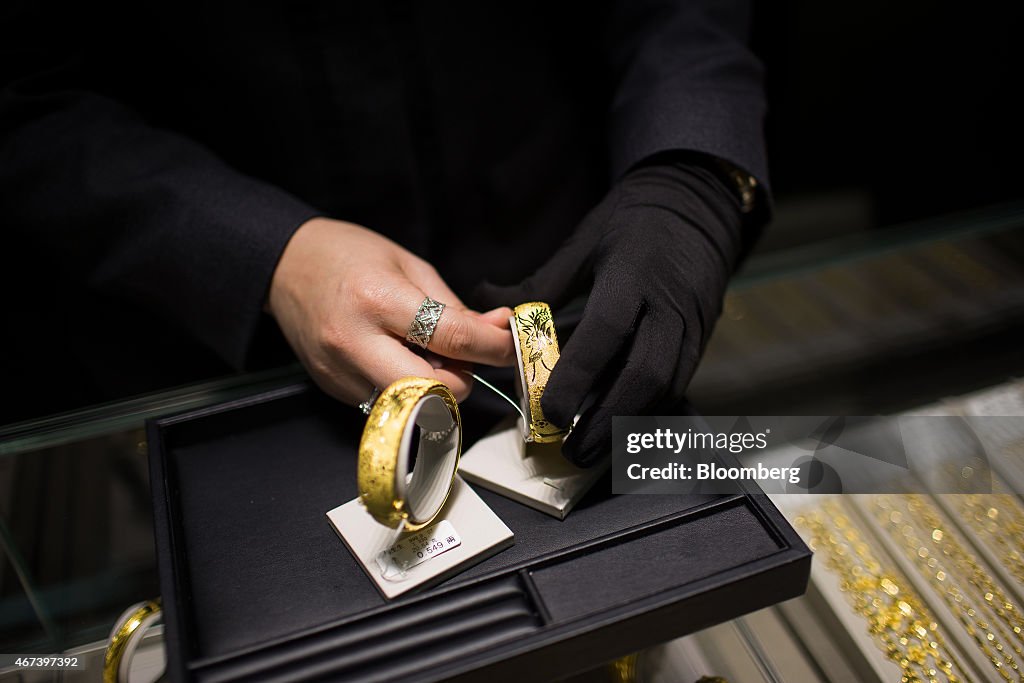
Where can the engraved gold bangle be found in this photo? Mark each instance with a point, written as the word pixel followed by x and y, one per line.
pixel 537 353
pixel 391 494
pixel 125 638
pixel 623 669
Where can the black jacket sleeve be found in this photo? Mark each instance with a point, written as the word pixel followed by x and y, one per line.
pixel 684 79
pixel 133 212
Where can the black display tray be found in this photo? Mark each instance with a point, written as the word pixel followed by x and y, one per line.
pixel 257 585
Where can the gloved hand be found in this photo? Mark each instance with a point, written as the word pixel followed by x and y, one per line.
pixel 656 255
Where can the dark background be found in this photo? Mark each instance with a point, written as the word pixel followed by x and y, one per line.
pixel 879 114
pixel 885 112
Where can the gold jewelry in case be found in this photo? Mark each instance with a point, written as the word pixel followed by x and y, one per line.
pixel 380 452
pixel 895 615
pixel 977 601
pixel 128 628
pixel 997 519
pixel 537 352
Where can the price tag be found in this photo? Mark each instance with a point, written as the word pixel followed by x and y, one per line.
pixel 416 548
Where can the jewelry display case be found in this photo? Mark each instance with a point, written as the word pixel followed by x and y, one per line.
pixel 878 322
pixel 254 581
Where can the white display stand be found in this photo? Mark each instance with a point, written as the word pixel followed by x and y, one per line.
pixel 465 532
pixel 534 474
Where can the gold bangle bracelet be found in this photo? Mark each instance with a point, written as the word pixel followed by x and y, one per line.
pixel 124 639
pixel 392 494
pixel 537 353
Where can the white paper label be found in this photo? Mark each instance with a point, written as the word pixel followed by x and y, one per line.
pixel 416 548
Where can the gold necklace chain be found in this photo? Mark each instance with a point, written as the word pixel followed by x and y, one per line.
pixel 896 616
pixel 998 520
pixel 957 576
pixel 981 579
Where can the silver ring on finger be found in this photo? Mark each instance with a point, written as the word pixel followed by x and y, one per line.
pixel 367 405
pixel 422 328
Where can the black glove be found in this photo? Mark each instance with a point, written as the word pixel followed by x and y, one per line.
pixel 656 255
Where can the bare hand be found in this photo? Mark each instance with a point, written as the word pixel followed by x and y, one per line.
pixel 344 297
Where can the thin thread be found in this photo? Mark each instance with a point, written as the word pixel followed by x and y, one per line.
pixel 493 388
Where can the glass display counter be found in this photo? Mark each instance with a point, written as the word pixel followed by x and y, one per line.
pixel 863 324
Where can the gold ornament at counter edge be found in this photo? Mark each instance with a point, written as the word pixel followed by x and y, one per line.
pixel 963 585
pixel 998 521
pixel 896 616
pixel 537 344
pixel 380 444
pixel 118 644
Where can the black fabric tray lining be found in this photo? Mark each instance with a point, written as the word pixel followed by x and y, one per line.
pixel 241 605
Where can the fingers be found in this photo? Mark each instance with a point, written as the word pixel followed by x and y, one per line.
pixel 686 367
pixel 386 359
pixel 345 385
pixel 378 357
pixel 455 374
pixel 639 384
pixel 458 334
pixel 461 336
pixel 426 277
pixel 608 324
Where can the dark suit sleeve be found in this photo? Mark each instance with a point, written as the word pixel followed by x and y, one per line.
pixel 684 78
pixel 135 213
